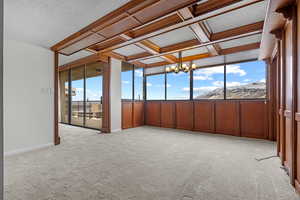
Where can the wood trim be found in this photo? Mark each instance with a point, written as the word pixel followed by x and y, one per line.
pixel 184 24
pixel 290 12
pixel 240 32
pixel 83 61
pixel 126 12
pixel 205 55
pixel 106 99
pixel 56 130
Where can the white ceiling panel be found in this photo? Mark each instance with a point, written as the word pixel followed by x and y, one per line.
pixel 195 51
pixel 45 23
pixel 154 70
pixel 153 60
pixel 67 59
pixel 240 41
pixel 129 50
pixel 239 17
pixel 173 37
pixel 242 56
pixel 236 57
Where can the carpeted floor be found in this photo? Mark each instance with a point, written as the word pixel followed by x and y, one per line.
pixel 148 163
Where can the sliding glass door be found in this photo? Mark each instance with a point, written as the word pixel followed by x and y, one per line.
pixel 93 95
pixel 77 97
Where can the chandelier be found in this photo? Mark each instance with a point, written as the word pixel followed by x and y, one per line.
pixel 181 67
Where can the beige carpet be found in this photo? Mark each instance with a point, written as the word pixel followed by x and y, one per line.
pixel 148 163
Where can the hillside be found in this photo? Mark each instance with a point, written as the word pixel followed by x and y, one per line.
pixel 251 90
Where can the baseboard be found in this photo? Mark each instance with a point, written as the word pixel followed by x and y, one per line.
pixel 116 130
pixel 297 186
pixel 19 151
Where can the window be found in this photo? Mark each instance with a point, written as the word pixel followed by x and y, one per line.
pixel 138 83
pixel 155 85
pixel 246 80
pixel 127 80
pixel 77 77
pixel 178 86
pixel 208 83
pixel 64 96
pixel 93 97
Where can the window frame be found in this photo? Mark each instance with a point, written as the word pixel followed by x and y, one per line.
pixel 191 74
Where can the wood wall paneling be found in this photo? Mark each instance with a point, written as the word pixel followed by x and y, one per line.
pixel 152 113
pixel 184 115
pixel 227 118
pixel 138 113
pixel 127 120
pixel 289 95
pixel 204 116
pixel 254 119
pixel 168 114
pixel 297 181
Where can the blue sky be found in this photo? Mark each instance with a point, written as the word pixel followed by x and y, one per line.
pixel 206 79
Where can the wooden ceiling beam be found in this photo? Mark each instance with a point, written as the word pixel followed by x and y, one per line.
pixel 152 48
pixel 222 52
pixel 197 19
pixel 237 31
pixel 131 11
pixel 199 30
pixel 234 33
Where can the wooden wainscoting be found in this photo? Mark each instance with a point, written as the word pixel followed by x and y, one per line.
pixel 204 116
pixel 227 117
pixel 153 113
pixel 138 113
pixel 127 121
pixel 132 114
pixel 246 118
pixel 184 115
pixel 168 114
pixel 251 125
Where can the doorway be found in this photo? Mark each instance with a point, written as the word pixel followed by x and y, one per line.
pixel 81 96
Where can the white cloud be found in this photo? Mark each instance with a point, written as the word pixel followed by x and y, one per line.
pixel 263 80
pixel 247 80
pixel 168 85
pixel 139 73
pixel 235 69
pixel 186 89
pixel 205 88
pixel 200 89
pixel 149 84
pixel 202 78
pixel 125 82
pixel 207 73
pixel 228 84
pixel 233 84
pixel 218 83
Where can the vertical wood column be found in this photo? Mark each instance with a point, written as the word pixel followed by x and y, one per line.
pixel 106 98
pixel 56 133
pixel 295 94
pixel 279 34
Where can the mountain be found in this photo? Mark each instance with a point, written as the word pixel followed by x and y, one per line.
pixel 250 90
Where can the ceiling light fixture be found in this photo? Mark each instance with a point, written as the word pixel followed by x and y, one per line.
pixel 181 67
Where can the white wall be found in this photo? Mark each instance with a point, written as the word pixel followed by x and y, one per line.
pixel 28 97
pixel 115 95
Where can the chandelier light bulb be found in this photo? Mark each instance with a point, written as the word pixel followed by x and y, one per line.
pixel 194 66
pixel 168 69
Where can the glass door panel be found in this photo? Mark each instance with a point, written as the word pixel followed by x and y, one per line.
pixel 64 96
pixel 77 89
pixel 93 95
